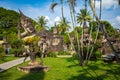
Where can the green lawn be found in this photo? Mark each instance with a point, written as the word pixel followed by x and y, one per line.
pixel 66 69
pixel 7 58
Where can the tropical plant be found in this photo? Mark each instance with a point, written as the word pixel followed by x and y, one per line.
pixel 83 16
pixel 63 26
pixel 66 38
pixel 41 23
pixel 63 19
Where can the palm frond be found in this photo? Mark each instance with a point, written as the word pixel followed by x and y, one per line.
pixel 52 6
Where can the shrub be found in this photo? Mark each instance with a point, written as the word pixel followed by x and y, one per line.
pixel 63 53
pixel 16 52
pixel 2 53
pixel 98 54
pixel 1 49
pixel 52 54
pixel 16 43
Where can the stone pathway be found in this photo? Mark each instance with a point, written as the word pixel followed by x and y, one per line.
pixel 12 63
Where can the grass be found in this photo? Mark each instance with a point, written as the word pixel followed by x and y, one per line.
pixel 7 58
pixel 66 69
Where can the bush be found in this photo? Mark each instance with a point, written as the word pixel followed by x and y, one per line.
pixel 16 43
pixel 2 53
pixel 63 53
pixel 16 52
pixel 52 54
pixel 75 57
pixel 1 49
pixel 98 54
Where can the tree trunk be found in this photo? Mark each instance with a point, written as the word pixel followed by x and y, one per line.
pixel 100 9
pixel 73 24
pixel 93 9
pixel 61 1
pixel 105 34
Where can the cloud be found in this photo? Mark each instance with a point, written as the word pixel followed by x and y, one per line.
pixel 47 18
pixel 106 4
pixel 57 19
pixel 34 12
pixel 115 22
pixel 118 19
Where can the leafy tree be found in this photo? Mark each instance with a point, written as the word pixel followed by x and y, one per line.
pixel 108 28
pixel 8 18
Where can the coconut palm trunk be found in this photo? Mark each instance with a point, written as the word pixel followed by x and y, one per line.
pixel 63 18
pixel 100 9
pixel 73 19
pixel 61 1
pixel 102 29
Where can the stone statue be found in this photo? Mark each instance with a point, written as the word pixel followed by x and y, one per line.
pixel 26 24
pixel 43 46
pixel 32 55
pixel 29 30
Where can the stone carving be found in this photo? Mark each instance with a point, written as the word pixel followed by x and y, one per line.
pixel 55 41
pixel 26 24
pixel 86 38
pixel 43 46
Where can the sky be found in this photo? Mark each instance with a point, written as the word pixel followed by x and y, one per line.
pixel 36 8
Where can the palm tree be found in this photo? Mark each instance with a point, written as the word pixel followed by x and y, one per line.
pixel 100 9
pixel 61 2
pixel 63 26
pixel 41 22
pixel 83 16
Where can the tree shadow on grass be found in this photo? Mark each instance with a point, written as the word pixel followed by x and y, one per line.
pixel 33 76
pixel 4 76
pixel 88 74
pixel 97 71
pixel 86 77
pixel 114 71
